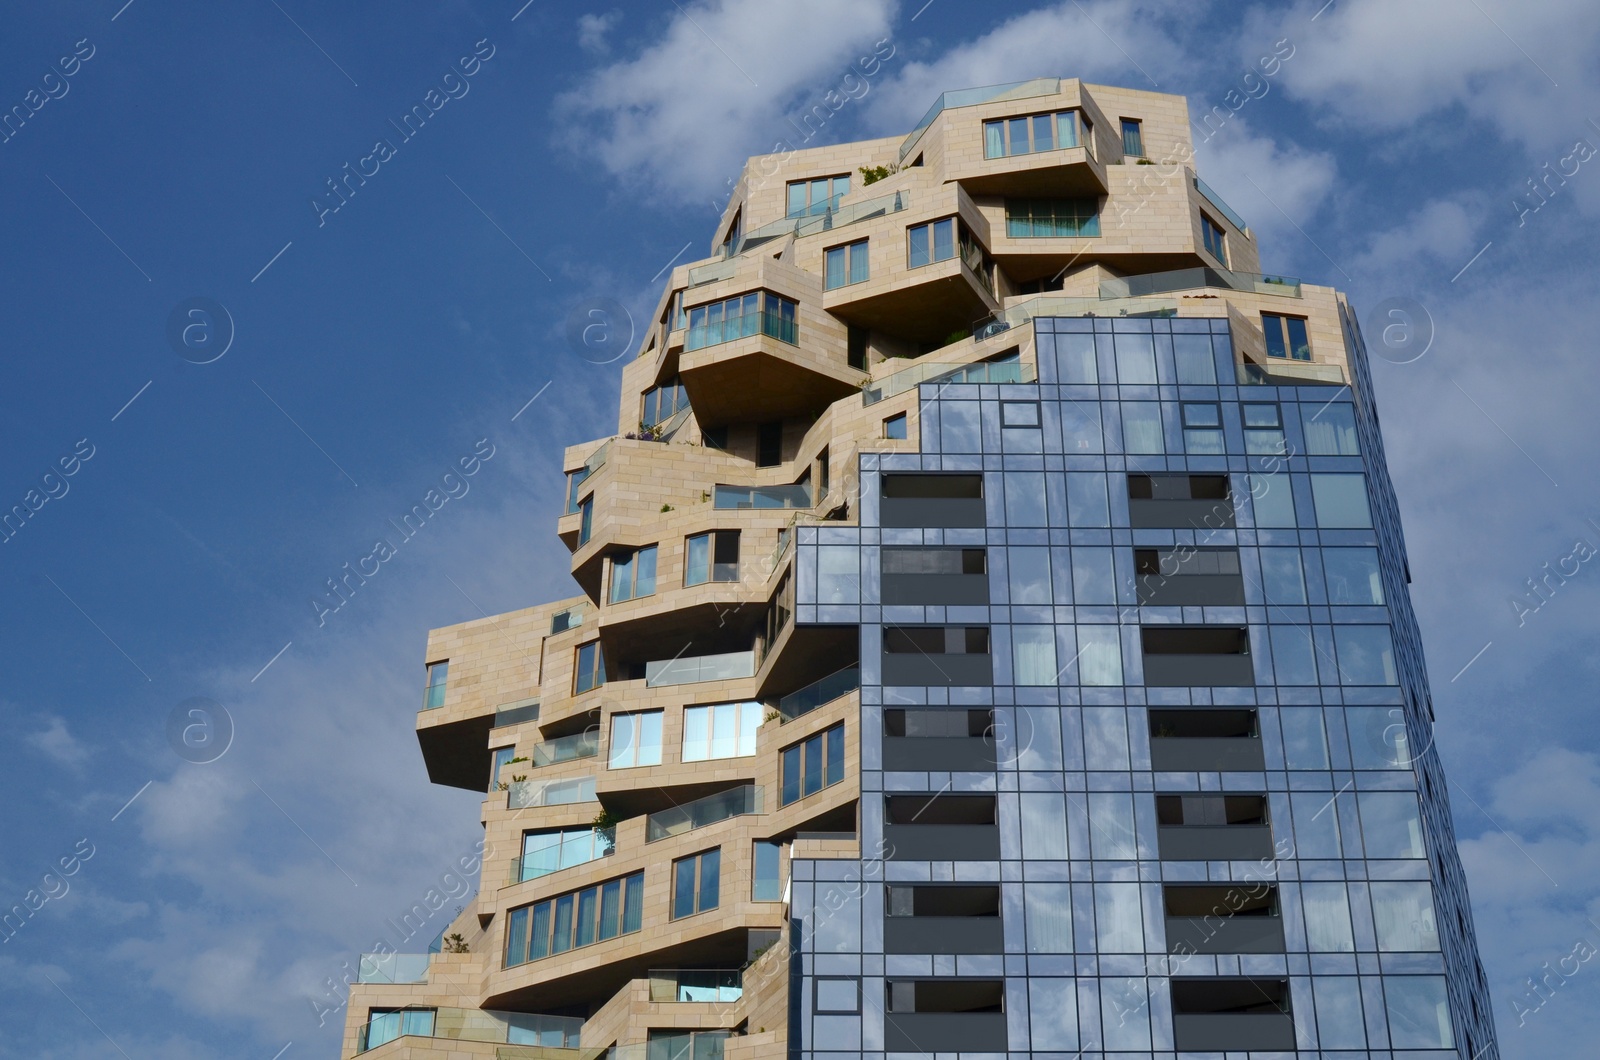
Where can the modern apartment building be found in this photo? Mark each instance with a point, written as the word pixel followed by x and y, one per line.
pixel 992 636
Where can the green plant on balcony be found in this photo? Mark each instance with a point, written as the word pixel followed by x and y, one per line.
pixel 956 336
pixel 666 508
pixel 514 761
pixel 518 778
pixel 605 828
pixel 1144 162
pixel 873 174
pixel 454 943
pixel 773 715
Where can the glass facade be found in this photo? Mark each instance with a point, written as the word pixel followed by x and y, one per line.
pixel 1290 637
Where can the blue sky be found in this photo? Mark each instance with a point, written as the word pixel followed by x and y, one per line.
pixel 371 351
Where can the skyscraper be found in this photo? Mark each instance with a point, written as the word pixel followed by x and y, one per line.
pixel 993 637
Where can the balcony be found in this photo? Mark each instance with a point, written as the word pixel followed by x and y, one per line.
pixel 1232 918
pixel 674 985
pixel 1194 656
pixel 941 739
pixel 793 495
pixel 972 97
pixel 1231 1015
pixel 1011 369
pixel 727 666
pixel 567 748
pixel 1213 828
pixel 562 850
pixel 472 1025
pixel 943 919
pixel 765 322
pixel 941 828
pixel 819 693
pixel 813 224
pixel 391 968
pixel 1290 373
pixel 529 794
pixel 936 500
pixel 676 820
pixel 1199 740
pixel 1222 207
pixel 945 1015
pixel 1198 278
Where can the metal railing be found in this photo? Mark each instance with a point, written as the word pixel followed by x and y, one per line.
pixel 567 748
pixel 817 693
pixel 696 984
pixel 1190 279
pixel 735 802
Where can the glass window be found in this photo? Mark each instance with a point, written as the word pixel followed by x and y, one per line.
pixel 1378 738
pixel 586 520
pixel 1118 918
pixel 1075 361
pixel 1019 413
pixel 1093 580
pixel 1340 1024
pixel 1305 740
pixel 1086 499
pixel 1366 655
pixel 1105 737
pixel 711 557
pixel 1135 356
pixel 1202 429
pixel 1111 826
pixel 766 883
pixel 811 765
pixel 1125 1014
pixel 723 730
pixel 1030 134
pixel 926 244
pixel 758 312
pixel 1029 573
pixel 663 402
pixel 1327 912
pixel 577 919
pixel 696 883
pixel 385 1025
pixel 1025 498
pixel 1052 218
pixel 590 671
pixel 838 995
pixel 1044 825
pixel 1053 1015
pixel 1353 576
pixel 1047 908
pixel 838 574
pixel 1038 738
pixel 1215 239
pixel 633 574
pixel 497 759
pixel 562 621
pixel 1332 431
pixel 1263 429
pixel 1419 1012
pixel 552 849
pixel 895 427
pixel 1294 656
pixel 808 197
pixel 1191 355
pixel 635 740
pixel 845 265
pixel 1403 915
pixel 1390 824
pixel 1141 427
pixel 1281 576
pixel 1316 825
pixel 438 678
pixel 575 479
pixel 1099 654
pixel 1132 137
pixel 1033 652
pixel 1286 336
pixel 1273 500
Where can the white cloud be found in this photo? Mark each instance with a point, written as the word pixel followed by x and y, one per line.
pixel 680 117
pixel 1274 187
pixel 1443 233
pixel 58 743
pixel 592 31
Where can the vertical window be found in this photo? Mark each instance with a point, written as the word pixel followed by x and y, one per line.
pixel 824 473
pixel 1353 576
pixel 807 197
pixel 926 244
pixel 895 427
pixel 1047 908
pixel 856 341
pixel 712 557
pixel 1419 1012
pixel 1390 824
pixel 1272 501
pixel 1327 911
pixel 581 918
pixel 1281 576
pixel 1366 655
pixel 1052 218
pixel 1031 134
pixel 633 574
pixel 769 444
pixel 758 312
pixel 575 479
pixel 766 883
pixel 586 523
pixel 438 674
pixel 845 265
pixel 635 740
pixel 1341 502
pixel 696 882
pixel 1286 336
pixel 1099 655
pixel 811 765
pixel 497 759
pixel 1033 652
pixel 724 730
pixel 1141 427
pixel 590 671
pixel 1403 915
pixel 1215 241
pixel 1202 429
pixel 1332 432
pixel 1263 429
pixel 663 402
pixel 1132 137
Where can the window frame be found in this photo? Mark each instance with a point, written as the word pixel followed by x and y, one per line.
pixel 1214 238
pixel 1002 131
pixel 438 673
pixel 1061 218
pixel 746 721
pixel 626 901
pixel 708 574
pixel 628 573
pixel 1199 433
pixel 812 206
pixel 1133 147
pixel 850 255
pixel 932 235
pixel 637 742
pixel 1278 331
pixel 825 748
pixel 652 410
pixel 697 885
pixel 899 420
pixel 595 673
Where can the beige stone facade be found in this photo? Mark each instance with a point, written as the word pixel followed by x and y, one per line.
pixel 784 416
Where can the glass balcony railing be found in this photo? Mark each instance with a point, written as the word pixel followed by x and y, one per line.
pixel 526 794
pixel 717 270
pixel 1063 306
pixel 1190 279
pixel 735 802
pixel 744 325
pixel 567 748
pixel 696 984
pixel 1291 373
pixel 825 221
pixel 971 97
pixel 793 495
pixel 685 671
pixel 1009 370
pixel 474 1025
pixel 394 968
pixel 817 693
pixel 562 850
pixel 1216 200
